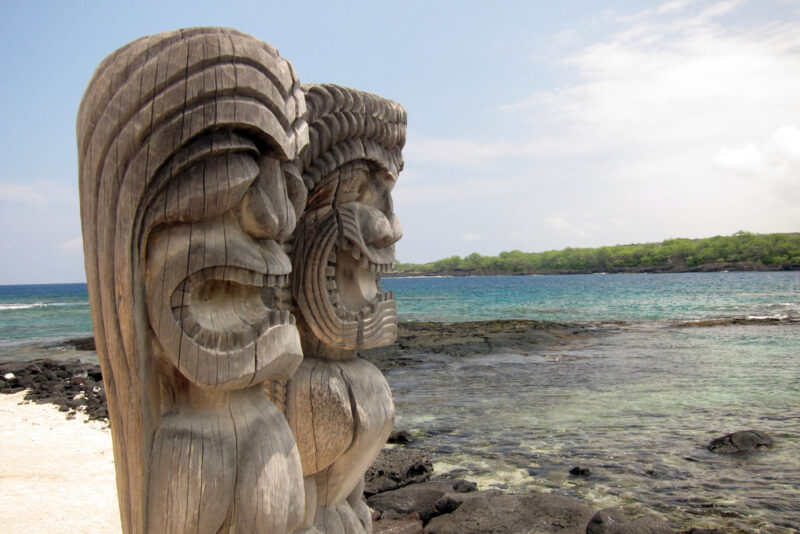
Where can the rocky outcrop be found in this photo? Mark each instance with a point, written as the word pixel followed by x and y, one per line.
pixel 420 498
pixel 612 521
pixel 395 468
pixel 508 513
pixel 70 384
pixel 407 525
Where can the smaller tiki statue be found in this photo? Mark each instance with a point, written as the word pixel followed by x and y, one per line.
pixel 188 144
pixel 339 406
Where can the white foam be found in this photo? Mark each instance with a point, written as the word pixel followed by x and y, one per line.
pixel 22 306
pixel 777 316
pixel 29 305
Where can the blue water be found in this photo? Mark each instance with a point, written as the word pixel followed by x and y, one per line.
pixel 40 313
pixel 636 406
pixel 37 313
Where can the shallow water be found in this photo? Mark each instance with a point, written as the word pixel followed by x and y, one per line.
pixel 637 408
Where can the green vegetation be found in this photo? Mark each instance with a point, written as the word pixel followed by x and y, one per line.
pixel 741 251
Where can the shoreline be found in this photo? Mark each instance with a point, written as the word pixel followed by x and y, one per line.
pixel 66 466
pixel 75 383
pixel 415 344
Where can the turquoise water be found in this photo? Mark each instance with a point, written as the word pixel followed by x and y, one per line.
pixel 594 297
pixel 636 405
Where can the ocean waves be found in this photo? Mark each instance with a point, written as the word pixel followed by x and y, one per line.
pixel 34 305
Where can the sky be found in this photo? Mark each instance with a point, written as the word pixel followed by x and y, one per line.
pixel 531 125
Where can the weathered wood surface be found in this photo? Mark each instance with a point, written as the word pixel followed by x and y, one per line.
pixel 195 168
pixel 183 139
pixel 339 406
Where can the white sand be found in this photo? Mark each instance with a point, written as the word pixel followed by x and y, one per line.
pixel 56 475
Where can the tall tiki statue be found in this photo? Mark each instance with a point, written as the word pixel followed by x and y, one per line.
pixel 339 406
pixel 188 144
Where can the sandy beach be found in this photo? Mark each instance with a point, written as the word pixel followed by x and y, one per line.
pixel 56 475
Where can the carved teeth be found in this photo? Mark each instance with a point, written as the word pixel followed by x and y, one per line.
pixel 276 280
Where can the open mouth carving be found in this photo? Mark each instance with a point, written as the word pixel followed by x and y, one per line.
pixel 353 282
pixel 218 305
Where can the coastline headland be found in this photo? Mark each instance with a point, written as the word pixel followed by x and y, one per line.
pixel 744 267
pixel 742 251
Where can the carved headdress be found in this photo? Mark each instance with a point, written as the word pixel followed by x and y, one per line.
pixel 347 124
pixel 152 111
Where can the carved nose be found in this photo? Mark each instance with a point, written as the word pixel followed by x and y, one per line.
pixel 378 230
pixel 266 211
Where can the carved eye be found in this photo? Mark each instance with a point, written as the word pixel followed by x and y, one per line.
pixel 204 180
pixel 375 191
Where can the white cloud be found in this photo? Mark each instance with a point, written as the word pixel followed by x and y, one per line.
pixel 463 152
pixel 563 225
pixel 21 194
pixel 72 245
pixel 675 125
pixel 471 237
pixel 774 163
pixel 747 160
pixel 39 194
pixel 673 6
pixel 559 223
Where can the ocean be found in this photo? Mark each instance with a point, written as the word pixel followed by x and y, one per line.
pixel 690 357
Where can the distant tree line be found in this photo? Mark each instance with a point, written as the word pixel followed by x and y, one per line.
pixel 740 251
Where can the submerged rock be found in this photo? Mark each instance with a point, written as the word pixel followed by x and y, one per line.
pixel 400 437
pixel 578 471
pixel 741 441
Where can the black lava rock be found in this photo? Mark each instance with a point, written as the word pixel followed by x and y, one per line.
pixel 580 471
pixel 69 384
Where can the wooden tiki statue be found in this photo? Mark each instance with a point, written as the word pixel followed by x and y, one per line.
pixel 187 145
pixel 339 406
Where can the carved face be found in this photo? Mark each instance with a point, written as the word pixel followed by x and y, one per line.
pixel 214 277
pixel 345 241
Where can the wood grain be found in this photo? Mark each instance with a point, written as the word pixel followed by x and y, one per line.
pixel 174 131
